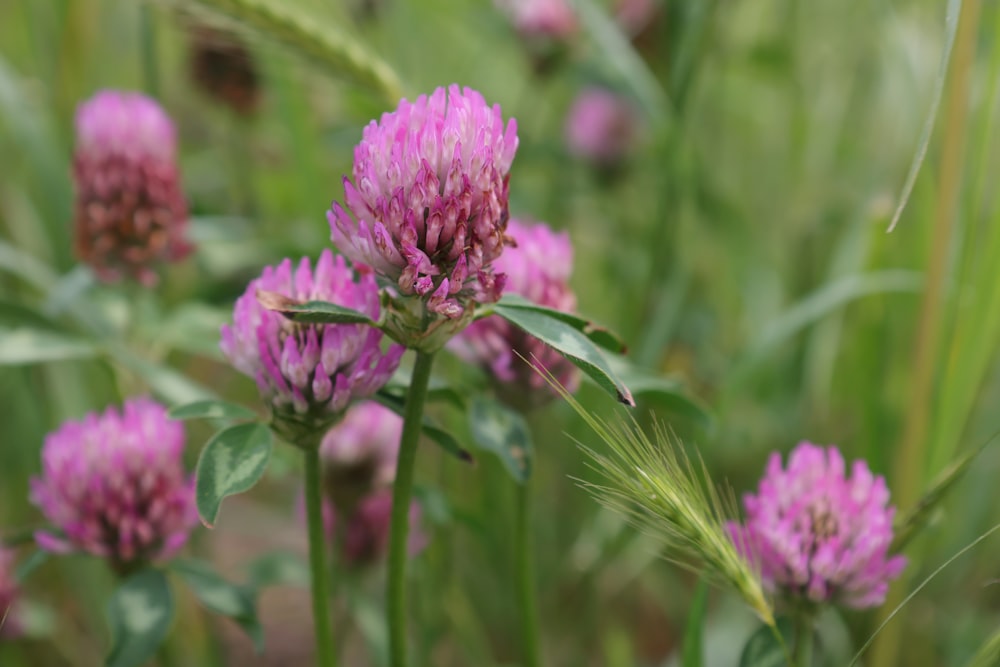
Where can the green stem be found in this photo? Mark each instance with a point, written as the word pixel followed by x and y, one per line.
pixel 526 589
pixel 803 639
pixel 399 527
pixel 147 34
pixel 325 655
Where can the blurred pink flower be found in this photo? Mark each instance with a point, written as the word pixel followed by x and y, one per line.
pixel 114 485
pixel 634 15
pixel 130 212
pixel 8 595
pixel 366 539
pixel 428 206
pixel 601 126
pixel 359 453
pixel 551 19
pixel 538 267
pixel 819 535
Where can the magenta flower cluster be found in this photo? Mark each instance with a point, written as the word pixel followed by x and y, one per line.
pixel 538 265
pixel 818 534
pixel 114 485
pixel 310 369
pixel 130 213
pixel 428 205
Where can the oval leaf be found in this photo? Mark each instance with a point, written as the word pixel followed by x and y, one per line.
pixel 210 410
pixel 140 612
pixel 597 334
pixel 232 462
pixel 570 343
pixel 311 312
pixel 763 648
pixel 222 597
pixel 498 429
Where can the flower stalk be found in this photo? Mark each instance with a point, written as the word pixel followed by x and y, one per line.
pixel 318 565
pixel 527 590
pixel 402 489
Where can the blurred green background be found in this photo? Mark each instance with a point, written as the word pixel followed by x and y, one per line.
pixel 741 248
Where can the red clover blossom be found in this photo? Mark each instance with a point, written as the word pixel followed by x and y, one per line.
pixel 309 373
pixel 114 485
pixel 427 209
pixel 130 213
pixel 818 534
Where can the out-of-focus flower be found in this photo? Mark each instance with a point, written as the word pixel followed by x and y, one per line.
pixel 130 214
pixel 601 127
pixel 309 373
pixel 818 535
pixel 8 595
pixel 538 267
pixel 365 537
pixel 224 69
pixel 114 485
pixel 428 210
pixel 634 15
pixel 359 454
pixel 547 19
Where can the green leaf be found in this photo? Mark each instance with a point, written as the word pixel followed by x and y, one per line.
pixel 664 390
pixel 27 566
pixel 598 335
pixel 572 344
pixel 438 435
pixel 165 382
pixel 952 13
pixel 311 312
pixel 764 650
pixel 692 653
pixel 232 462
pixel 140 612
pixel 498 429
pixel 31 346
pixel 278 568
pixel 194 328
pixel 908 524
pixel 16 315
pixel 222 597
pixel 210 409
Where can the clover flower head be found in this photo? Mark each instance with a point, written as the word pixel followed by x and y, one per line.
pixel 538 266
pixel 310 373
pixel 818 534
pixel 114 485
pixel 130 213
pixel 427 209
